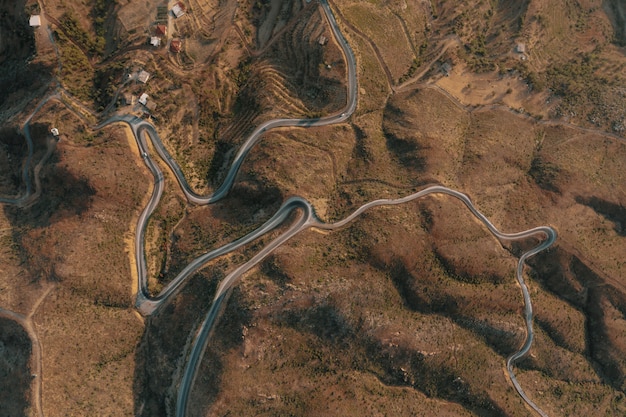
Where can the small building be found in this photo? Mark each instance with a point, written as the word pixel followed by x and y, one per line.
pixel 143 99
pixel 322 40
pixel 55 132
pixel 176 45
pixel 129 99
pixel 178 10
pixel 520 48
pixel 35 21
pixel 161 30
pixel 155 41
pixel 143 76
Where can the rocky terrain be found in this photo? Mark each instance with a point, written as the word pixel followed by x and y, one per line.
pixel 409 310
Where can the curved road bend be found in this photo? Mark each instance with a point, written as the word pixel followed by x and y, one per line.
pixel 148 305
pixel 140 128
pixel 310 220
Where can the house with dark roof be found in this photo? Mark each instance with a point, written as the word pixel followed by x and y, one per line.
pixel 160 30
pixel 176 45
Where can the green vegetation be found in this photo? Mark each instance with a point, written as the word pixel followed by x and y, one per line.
pixel 576 80
pixel 161 14
pixel 32 9
pixel 105 82
pixel 478 60
pixel 77 73
pixel 100 13
pixel 85 41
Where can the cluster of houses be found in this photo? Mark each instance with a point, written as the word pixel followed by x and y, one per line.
pixel 158 36
pixel 159 33
pixel 144 99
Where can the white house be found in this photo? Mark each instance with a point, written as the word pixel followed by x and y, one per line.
pixel 178 10
pixel 35 21
pixel 143 99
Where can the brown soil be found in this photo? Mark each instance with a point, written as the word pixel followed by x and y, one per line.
pixel 420 300
pixel 410 310
pixel 84 211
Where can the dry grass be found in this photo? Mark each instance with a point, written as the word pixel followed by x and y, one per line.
pixel 411 310
pixel 409 281
pixel 375 22
pixel 73 236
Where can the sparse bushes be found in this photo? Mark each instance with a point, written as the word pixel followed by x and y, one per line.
pixel 77 72
pixel 544 174
pixel 71 26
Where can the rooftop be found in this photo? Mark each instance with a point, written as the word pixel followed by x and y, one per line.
pixel 129 99
pixel 35 21
pixel 179 9
pixel 176 45
pixel 143 76
pixel 161 30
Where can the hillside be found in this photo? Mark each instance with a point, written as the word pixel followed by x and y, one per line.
pixel 408 310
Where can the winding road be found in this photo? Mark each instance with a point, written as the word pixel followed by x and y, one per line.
pixel 149 305
pixel 307 219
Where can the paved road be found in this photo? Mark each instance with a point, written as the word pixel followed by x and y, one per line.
pixel 149 305
pixel 308 220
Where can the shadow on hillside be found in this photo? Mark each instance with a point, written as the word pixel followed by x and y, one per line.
pixel 162 350
pixel 393 366
pixel 406 149
pixel 247 198
pixel 63 195
pixel 569 278
pixel 17 45
pixel 13 150
pixel 614 213
pixel 616 10
pixel 15 351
